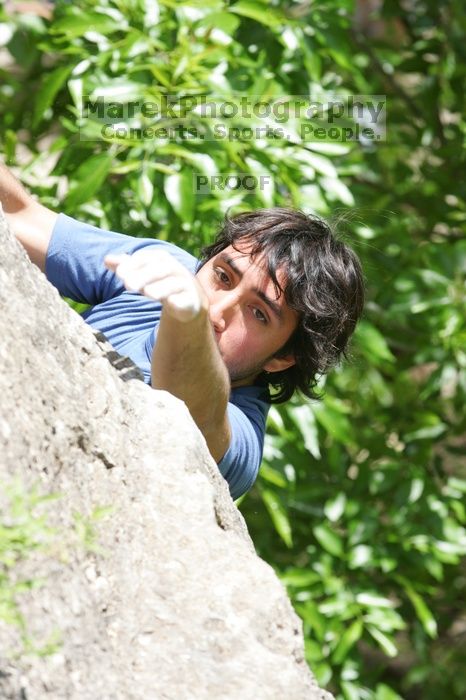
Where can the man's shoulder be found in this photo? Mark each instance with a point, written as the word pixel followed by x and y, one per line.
pixel 69 229
pixel 186 259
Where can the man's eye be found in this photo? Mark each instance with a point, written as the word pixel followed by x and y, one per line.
pixel 259 315
pixel 222 276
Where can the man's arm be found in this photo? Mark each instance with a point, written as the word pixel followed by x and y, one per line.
pixel 185 360
pixel 31 222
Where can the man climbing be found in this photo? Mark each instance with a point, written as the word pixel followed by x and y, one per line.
pixel 269 308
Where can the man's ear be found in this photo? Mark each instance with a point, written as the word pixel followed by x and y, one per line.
pixel 278 364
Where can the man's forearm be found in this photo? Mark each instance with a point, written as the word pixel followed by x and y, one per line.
pixel 186 362
pixel 31 222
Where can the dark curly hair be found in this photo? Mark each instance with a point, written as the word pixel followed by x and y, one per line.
pixel 324 284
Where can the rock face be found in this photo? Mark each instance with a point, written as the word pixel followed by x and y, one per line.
pixel 174 604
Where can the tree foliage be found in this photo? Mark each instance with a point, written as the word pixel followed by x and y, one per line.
pixel 360 505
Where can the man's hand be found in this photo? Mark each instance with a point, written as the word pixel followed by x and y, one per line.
pixel 157 275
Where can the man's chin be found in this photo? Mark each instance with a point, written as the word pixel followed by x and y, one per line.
pixel 239 376
pixel 243 378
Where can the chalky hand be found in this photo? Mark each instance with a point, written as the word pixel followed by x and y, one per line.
pixel 157 275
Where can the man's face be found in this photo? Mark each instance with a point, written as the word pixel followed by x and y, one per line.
pixel 250 321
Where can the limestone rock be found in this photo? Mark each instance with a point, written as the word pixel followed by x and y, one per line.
pixel 174 604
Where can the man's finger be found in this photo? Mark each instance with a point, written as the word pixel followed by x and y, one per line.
pixel 137 278
pixel 112 261
pixel 140 269
pixel 162 289
pixel 183 302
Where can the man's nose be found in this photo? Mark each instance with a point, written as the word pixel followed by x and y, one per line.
pixel 220 310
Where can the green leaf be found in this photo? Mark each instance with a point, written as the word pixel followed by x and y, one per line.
pixel 360 556
pixel 275 420
pixel 299 577
pixel 273 476
pixel 50 86
pixel 179 190
pixel 313 651
pixel 384 692
pixel 319 163
pixel 145 188
pixel 416 490
pixel 259 12
pixel 372 343
pixel 422 611
pixel 303 417
pixel 427 433
pixel 347 641
pixel 151 10
pixel 384 619
pixel 311 615
pixel 374 600
pixel 329 539
pixel 351 691
pixel 335 507
pixel 88 179
pixel 221 20
pixel 457 484
pixel 335 423
pixel 119 91
pixel 385 643
pixel 323 673
pixel 335 189
pixel 331 149
pixel 278 515
pixel 77 25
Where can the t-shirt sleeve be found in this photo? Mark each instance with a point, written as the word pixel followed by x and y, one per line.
pixel 75 259
pixel 241 462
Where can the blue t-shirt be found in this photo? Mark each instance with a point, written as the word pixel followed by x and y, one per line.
pixel 74 265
